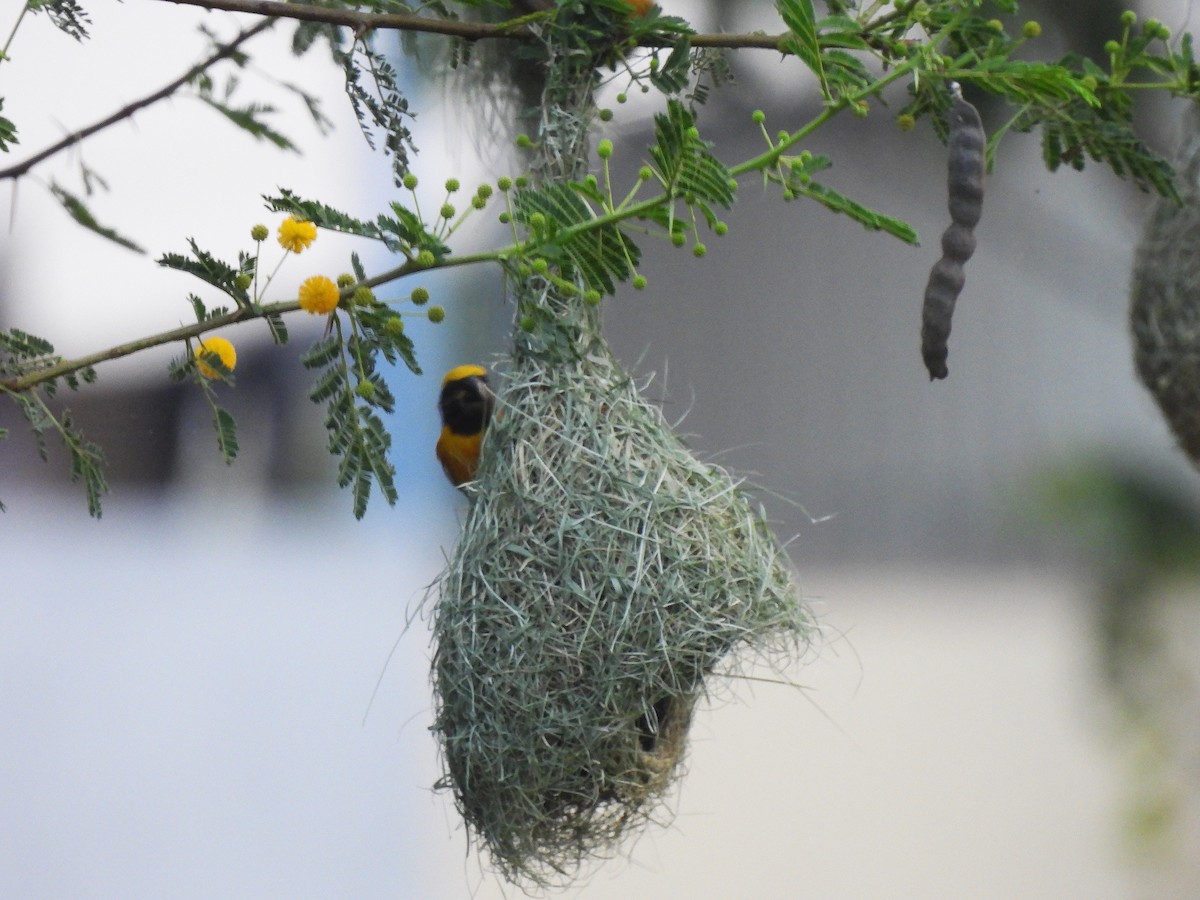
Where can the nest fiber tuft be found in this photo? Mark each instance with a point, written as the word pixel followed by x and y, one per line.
pixel 602 575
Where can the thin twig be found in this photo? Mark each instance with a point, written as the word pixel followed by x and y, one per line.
pixel 468 31
pixel 223 52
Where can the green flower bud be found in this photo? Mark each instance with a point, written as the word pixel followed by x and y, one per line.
pixel 540 266
pixel 243 280
pixel 452 185
pixel 345 280
pixel 419 296
pixel 592 297
pixel 365 389
pixel 259 233
pixel 425 259
pixel 721 229
pixel 447 211
pixel 905 122
pixel 699 250
pixel 409 180
pixel 1031 29
pixel 645 173
pixel 622 97
pixel 436 314
pixel 1129 18
pixel 503 182
pixel 394 327
pixel 638 282
pixel 678 238
pixel 363 296
pixel 604 149
pixel 484 191
pixel 758 117
pixel 524 141
pixel 605 115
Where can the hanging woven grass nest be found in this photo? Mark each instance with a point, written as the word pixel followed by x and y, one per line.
pixel 1165 297
pixel 603 574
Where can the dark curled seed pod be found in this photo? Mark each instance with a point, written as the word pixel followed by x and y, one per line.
pixel 965 188
pixel 1164 309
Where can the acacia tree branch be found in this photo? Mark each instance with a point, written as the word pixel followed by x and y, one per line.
pixel 246 314
pixel 360 21
pixel 240 314
pixel 468 31
pixel 67 366
pixel 223 52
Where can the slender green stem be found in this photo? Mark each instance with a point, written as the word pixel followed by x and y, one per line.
pixel 12 34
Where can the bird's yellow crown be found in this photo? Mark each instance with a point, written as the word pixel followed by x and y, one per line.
pixel 463 372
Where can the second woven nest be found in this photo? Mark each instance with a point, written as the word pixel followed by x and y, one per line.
pixel 602 575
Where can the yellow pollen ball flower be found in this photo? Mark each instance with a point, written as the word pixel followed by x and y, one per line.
pixel 296 235
pixel 221 349
pixel 319 295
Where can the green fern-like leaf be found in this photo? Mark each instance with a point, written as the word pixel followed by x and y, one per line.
pixel 800 19
pixel 356 433
pixel 208 268
pixel 601 255
pixel 226 430
pixel 685 163
pixel 278 329
pixel 381 106
pixel 868 218
pixel 8 133
pixel 86 458
pixel 66 15
pixel 401 232
pixel 1076 131
pixel 251 119
pixel 26 346
pixel 672 76
pixel 321 353
pixel 78 211
pixel 321 215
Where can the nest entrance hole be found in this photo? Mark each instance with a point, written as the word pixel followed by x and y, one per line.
pixel 660 727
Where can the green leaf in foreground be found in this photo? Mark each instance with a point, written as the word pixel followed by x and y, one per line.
pixel 868 218
pixel 80 213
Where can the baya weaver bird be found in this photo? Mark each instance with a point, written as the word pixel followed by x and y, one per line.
pixel 465 405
